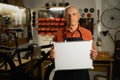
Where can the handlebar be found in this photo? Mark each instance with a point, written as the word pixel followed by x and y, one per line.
pixel 6 48
pixel 46 46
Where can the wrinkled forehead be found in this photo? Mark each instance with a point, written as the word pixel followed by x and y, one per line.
pixel 71 9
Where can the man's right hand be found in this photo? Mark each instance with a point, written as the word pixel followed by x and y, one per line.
pixel 52 53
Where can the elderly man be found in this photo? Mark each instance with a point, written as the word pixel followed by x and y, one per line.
pixel 73 32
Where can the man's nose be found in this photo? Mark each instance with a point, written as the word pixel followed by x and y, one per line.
pixel 70 16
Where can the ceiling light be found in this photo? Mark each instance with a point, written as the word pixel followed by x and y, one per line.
pixel 57 8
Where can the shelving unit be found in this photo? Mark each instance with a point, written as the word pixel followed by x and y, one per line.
pixel 49 22
pixel 50 25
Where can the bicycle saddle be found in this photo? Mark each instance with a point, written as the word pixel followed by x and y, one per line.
pixel 13 30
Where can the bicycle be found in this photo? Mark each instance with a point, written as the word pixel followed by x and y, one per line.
pixel 7 65
pixel 34 66
pixel 21 69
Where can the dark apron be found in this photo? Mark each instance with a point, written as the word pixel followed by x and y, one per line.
pixel 81 74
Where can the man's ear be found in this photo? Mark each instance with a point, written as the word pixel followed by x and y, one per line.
pixel 78 15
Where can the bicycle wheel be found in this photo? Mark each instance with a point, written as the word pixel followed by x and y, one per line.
pixel 11 73
pixel 49 72
pixel 110 18
pixel 6 63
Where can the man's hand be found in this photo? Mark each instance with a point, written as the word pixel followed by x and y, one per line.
pixel 94 54
pixel 52 53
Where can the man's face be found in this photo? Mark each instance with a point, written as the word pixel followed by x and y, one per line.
pixel 72 17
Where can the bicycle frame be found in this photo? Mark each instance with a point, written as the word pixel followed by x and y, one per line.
pixel 38 62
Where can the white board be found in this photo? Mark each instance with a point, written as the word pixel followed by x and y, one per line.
pixel 73 55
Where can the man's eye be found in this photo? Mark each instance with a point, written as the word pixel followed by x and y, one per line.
pixel 74 14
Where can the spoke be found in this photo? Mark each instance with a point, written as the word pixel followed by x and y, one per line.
pixel 111 18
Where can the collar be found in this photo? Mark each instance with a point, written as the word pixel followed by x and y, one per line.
pixel 68 30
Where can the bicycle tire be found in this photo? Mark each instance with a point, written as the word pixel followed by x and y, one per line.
pixel 48 72
pixel 6 59
pixel 110 18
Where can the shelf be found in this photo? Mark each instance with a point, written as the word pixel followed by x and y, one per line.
pixel 51 19
pixel 49 22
